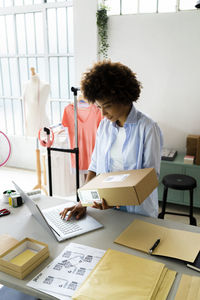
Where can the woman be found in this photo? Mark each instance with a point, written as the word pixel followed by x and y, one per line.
pixel 126 138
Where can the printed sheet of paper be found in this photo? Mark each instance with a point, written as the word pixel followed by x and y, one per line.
pixel 65 274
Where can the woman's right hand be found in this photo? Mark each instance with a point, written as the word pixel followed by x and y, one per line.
pixel 77 210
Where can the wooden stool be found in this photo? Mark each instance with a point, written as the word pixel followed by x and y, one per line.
pixel 178 182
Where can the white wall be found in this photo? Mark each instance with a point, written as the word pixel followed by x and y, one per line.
pixel 23 152
pixel 85 32
pixel 163 49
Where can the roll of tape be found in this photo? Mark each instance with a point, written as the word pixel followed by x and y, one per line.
pixel 15 200
pixel 7 194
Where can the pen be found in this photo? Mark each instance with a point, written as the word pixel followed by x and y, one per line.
pixel 154 246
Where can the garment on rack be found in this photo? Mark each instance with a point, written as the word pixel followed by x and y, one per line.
pixel 63 181
pixel 35 96
pixel 88 119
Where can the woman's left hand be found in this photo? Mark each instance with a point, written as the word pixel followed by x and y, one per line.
pixel 103 205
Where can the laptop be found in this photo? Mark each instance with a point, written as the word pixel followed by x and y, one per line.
pixel 50 219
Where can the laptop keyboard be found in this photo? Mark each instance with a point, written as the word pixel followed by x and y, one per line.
pixel 64 226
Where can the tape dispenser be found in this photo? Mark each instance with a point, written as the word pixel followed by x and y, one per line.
pixel 14 199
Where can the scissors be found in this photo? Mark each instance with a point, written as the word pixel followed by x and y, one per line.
pixel 4 212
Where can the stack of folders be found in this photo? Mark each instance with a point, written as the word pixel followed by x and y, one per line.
pixel 189 288
pixel 119 275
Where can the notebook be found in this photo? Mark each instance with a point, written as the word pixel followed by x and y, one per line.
pixel 50 219
pixel 196 264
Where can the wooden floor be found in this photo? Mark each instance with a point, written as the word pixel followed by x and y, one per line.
pixel 181 209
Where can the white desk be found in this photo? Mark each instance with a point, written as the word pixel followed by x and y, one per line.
pixel 21 224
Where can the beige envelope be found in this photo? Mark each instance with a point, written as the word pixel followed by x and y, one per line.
pixel 120 275
pixel 165 285
pixel 174 243
pixel 189 288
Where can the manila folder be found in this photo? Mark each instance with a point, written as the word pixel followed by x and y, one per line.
pixel 180 244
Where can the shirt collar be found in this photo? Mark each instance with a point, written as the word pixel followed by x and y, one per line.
pixel 132 117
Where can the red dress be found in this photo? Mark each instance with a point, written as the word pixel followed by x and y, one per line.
pixel 88 122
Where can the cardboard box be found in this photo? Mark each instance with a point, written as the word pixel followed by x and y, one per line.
pixel 119 188
pixel 193 147
pixel 6 242
pixel 189 159
pixel 23 258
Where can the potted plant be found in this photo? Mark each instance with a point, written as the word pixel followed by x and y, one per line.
pixel 102 25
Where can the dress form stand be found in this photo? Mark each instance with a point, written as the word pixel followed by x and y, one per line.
pixel 44 168
pixel 35 97
pixel 38 169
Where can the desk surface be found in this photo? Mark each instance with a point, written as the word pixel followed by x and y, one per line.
pixel 21 224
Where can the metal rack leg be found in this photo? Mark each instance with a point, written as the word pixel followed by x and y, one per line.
pixel 49 170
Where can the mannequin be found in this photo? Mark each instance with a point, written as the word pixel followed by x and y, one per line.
pixel 35 96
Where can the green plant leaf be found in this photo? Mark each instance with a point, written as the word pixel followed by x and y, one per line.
pixel 102 24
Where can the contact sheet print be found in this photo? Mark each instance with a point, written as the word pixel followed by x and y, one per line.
pixel 65 274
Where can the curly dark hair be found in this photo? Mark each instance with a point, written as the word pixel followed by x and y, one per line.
pixel 107 80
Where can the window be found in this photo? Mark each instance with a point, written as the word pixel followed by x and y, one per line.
pixel 117 7
pixel 39 34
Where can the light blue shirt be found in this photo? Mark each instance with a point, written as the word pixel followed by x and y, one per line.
pixel 141 149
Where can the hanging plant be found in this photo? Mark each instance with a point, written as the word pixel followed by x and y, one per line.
pixel 102 25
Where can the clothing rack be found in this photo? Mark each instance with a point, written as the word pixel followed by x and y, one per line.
pixel 75 150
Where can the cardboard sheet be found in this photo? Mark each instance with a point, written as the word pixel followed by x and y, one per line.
pixel 120 275
pixel 6 242
pixel 189 288
pixel 24 261
pixel 180 244
pixel 23 257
